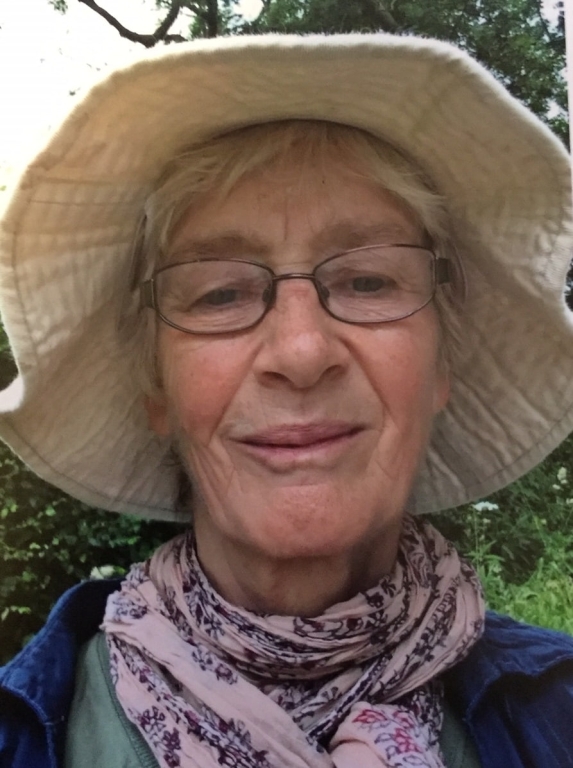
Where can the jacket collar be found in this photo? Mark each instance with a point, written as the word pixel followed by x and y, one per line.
pixel 42 674
pixel 507 648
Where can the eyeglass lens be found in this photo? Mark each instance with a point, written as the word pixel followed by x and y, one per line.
pixel 370 285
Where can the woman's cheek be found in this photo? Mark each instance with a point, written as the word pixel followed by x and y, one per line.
pixel 200 380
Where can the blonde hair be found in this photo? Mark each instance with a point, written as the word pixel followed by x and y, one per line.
pixel 216 166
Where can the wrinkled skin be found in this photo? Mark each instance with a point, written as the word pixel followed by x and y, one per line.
pixel 295 531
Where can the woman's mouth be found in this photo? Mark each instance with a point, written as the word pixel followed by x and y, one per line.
pixel 297 445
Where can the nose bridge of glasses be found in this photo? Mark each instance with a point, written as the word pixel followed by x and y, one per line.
pixel 321 289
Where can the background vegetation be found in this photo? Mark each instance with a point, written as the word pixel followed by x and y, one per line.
pixel 521 539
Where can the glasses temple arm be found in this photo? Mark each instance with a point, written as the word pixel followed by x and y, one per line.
pixel 147 294
pixel 443 271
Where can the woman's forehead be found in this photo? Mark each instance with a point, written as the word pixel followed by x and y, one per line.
pixel 334 211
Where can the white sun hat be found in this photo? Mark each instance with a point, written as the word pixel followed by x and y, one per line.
pixel 75 415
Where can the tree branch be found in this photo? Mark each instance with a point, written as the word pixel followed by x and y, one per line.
pixel 194 8
pixel 175 39
pixel 168 21
pixel 147 40
pixel 555 38
pixel 561 18
pixel 212 18
pixel 542 19
pixel 389 23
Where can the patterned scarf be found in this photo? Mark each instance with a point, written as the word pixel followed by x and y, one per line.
pixel 208 683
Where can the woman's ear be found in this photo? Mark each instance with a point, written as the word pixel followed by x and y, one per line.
pixel 157 415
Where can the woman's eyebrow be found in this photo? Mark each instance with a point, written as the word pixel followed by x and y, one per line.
pixel 345 235
pixel 341 236
pixel 224 245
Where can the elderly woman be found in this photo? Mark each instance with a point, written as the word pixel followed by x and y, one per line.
pixel 294 291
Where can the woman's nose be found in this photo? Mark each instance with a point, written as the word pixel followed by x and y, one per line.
pixel 301 342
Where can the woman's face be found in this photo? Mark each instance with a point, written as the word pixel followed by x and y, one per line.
pixel 302 435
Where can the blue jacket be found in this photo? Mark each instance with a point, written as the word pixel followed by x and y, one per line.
pixel 514 691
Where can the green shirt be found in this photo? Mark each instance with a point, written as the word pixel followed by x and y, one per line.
pixel 99 734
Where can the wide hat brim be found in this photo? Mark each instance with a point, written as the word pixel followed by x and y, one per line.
pixel 75 414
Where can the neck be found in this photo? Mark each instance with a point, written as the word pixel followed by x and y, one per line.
pixel 297 586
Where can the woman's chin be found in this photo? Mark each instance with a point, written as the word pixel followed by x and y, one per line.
pixel 318 536
pixel 296 547
pixel 314 521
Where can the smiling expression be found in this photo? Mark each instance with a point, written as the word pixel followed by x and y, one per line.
pixel 304 434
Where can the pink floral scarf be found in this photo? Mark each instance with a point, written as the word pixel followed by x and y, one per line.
pixel 210 684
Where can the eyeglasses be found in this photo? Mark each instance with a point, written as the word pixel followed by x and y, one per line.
pixel 368 285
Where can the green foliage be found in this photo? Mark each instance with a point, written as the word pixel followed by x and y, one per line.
pixel 545 598
pixel 49 542
pixel 511 38
pixel 7 366
pixel 60 5
pixel 521 541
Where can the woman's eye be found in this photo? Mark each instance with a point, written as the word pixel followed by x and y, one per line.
pixel 369 284
pixel 219 297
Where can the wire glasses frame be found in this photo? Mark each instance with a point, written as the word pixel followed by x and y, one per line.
pixel 150 292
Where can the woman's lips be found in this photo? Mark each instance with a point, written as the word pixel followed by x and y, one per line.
pixel 291 446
